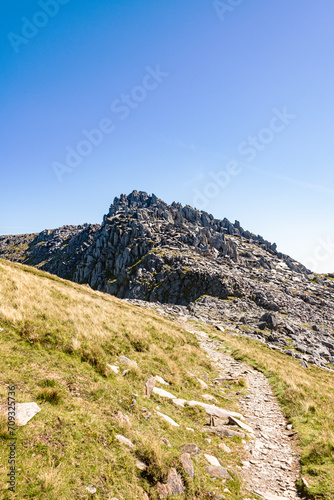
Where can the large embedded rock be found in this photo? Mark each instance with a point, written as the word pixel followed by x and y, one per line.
pixel 174 485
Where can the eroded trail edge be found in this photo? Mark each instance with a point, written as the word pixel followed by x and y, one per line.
pixel 271 466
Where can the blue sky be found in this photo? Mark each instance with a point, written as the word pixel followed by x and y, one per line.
pixel 241 94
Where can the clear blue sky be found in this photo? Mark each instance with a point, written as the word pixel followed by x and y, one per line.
pixel 225 76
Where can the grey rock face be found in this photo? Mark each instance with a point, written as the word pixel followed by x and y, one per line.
pixel 181 257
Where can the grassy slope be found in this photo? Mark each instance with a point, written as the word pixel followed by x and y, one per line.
pixel 307 399
pixel 56 342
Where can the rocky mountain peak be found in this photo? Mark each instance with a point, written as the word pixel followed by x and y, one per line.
pixel 179 256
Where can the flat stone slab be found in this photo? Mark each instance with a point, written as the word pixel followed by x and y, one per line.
pixel 243 426
pixel 113 368
pixel 161 380
pixel 203 384
pixel 180 402
pixel 218 471
pixel 212 460
pixel 23 412
pixel 124 440
pixel 216 411
pixel 162 393
pixel 168 419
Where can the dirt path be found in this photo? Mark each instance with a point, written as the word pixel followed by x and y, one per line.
pixel 272 467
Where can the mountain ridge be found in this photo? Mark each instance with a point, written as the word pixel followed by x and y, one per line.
pixel 178 256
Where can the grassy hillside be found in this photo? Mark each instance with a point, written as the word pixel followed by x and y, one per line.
pixel 307 399
pixel 56 340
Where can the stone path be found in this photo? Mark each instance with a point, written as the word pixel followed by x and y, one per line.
pixel 272 467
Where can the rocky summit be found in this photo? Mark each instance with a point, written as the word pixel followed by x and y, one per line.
pixel 190 264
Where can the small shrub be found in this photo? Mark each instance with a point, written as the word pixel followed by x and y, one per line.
pixel 149 452
pixel 49 395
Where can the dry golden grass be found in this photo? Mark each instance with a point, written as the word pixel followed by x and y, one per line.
pixel 56 343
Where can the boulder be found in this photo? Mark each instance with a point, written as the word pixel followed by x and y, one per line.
pixel 174 485
pixel 217 471
pixel 187 465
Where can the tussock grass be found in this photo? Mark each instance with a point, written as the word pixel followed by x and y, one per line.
pixel 50 395
pixel 307 399
pixel 57 341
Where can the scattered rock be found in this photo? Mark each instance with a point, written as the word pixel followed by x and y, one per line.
pixel 216 422
pixel 215 410
pixel 168 419
pixel 204 385
pixel 187 465
pixel 242 425
pixel 124 440
pixel 122 419
pixel 166 442
pixel 225 448
pixel 91 489
pixel 270 320
pixel 149 386
pixel 162 393
pixel 23 412
pixel 224 431
pixel 212 460
pixel 140 465
pixel 161 380
pixel 305 483
pixel 174 485
pixel 270 496
pixel 113 368
pixel 218 471
pixel 127 361
pixel 191 449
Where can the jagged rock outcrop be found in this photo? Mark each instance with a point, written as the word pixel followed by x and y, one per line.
pixel 148 250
